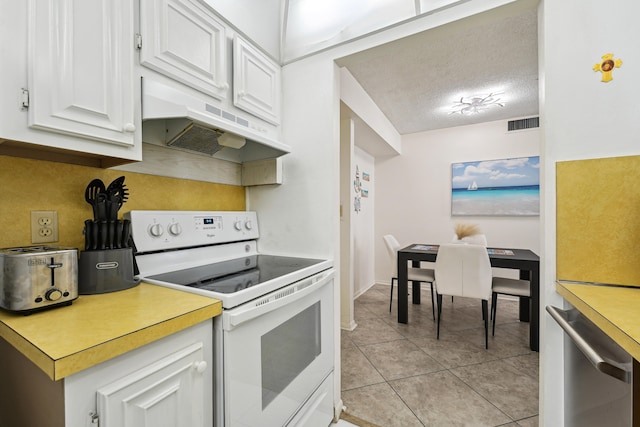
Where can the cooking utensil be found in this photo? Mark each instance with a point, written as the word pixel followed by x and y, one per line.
pixel 101 207
pixel 95 187
pixel 114 204
pixel 117 187
pixel 116 183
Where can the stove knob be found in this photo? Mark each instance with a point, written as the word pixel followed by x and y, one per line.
pixel 248 225
pixel 238 225
pixel 175 229
pixel 156 230
pixel 53 294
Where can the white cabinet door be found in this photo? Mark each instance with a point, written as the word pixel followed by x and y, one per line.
pixel 183 39
pixel 80 69
pixel 168 393
pixel 256 82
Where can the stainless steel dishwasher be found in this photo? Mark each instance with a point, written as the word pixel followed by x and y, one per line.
pixel 597 374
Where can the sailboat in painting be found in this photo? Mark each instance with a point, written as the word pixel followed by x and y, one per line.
pixel 473 186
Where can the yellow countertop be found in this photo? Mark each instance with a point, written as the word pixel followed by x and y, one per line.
pixel 614 309
pixel 95 328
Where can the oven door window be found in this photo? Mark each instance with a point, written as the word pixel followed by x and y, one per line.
pixel 274 362
pixel 288 350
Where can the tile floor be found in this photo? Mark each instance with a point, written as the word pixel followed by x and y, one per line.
pixel 399 375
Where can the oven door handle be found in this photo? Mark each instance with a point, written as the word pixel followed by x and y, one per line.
pixel 590 344
pixel 277 299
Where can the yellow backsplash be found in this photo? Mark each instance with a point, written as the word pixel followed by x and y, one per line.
pixel 598 220
pixel 27 185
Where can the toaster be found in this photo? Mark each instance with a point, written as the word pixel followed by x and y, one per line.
pixel 33 278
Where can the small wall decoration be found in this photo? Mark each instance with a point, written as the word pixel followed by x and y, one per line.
pixel 357 186
pixel 365 176
pixel 496 187
pixel 606 67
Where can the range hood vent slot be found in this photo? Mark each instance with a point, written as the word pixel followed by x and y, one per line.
pixel 532 122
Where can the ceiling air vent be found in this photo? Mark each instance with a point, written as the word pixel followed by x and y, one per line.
pixel 532 122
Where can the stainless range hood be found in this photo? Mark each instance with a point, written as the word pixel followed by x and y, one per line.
pixel 176 119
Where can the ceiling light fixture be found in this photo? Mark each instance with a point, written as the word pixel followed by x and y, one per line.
pixel 476 104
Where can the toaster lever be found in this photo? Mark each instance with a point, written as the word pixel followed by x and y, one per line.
pixel 52 267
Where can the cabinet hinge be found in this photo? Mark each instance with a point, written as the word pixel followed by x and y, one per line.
pixel 94 419
pixel 138 41
pixel 24 99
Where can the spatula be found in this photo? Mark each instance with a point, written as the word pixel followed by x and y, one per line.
pixel 94 188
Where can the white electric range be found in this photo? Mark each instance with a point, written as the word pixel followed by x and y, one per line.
pixel 273 346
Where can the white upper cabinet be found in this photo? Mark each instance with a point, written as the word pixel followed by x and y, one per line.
pixel 80 69
pixel 185 40
pixel 256 82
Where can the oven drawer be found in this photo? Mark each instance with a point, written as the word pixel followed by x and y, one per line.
pixel 318 410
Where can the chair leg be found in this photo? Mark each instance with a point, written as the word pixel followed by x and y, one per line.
pixel 485 315
pixel 494 306
pixel 433 306
pixel 391 297
pixel 439 297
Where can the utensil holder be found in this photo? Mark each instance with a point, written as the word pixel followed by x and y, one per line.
pixel 106 271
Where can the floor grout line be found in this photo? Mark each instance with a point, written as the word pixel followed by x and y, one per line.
pixel 375 298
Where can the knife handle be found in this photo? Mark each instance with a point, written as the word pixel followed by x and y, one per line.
pixel 126 232
pixel 88 232
pixel 94 235
pixel 111 232
pixel 103 235
pixel 117 239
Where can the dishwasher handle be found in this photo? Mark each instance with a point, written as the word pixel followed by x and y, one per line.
pixel 600 362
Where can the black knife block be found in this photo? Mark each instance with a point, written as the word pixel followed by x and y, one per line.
pixel 105 271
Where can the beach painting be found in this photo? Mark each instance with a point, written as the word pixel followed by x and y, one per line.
pixel 496 187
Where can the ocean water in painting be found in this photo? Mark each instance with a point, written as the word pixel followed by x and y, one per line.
pixel 516 200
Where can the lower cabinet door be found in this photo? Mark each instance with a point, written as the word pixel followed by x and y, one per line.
pixel 169 392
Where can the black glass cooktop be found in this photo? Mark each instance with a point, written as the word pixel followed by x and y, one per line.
pixel 237 274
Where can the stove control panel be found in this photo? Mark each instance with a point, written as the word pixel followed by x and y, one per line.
pixel 161 230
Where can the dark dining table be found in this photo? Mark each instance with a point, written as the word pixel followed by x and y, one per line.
pixel 524 260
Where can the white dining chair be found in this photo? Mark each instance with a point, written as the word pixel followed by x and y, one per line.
pixel 507 286
pixel 414 274
pixel 475 239
pixel 464 270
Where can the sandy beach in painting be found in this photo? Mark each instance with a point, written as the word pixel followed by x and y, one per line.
pixel 496 201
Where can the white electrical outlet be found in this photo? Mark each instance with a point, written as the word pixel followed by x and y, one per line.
pixel 44 226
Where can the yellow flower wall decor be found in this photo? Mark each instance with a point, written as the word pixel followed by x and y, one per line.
pixel 606 67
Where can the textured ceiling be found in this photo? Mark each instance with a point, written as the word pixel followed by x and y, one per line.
pixel 416 80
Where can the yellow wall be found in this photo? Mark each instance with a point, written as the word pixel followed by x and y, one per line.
pixel 27 185
pixel 598 220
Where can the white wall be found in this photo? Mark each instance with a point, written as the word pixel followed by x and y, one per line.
pixel 582 118
pixel 347 169
pixel 363 225
pixel 414 189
